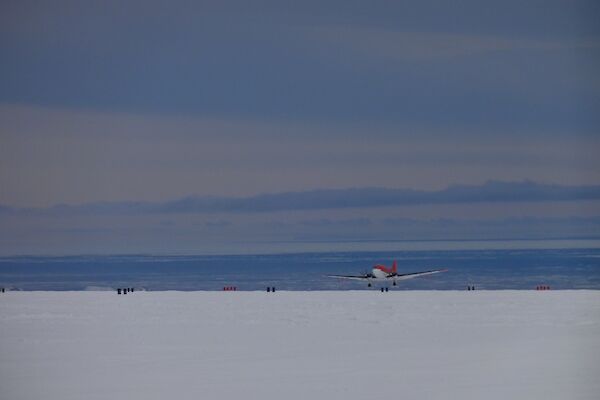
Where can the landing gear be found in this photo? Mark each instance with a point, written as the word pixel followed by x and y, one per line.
pixel 394 283
pixel 369 285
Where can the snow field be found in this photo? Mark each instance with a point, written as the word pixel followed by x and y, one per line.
pixel 299 345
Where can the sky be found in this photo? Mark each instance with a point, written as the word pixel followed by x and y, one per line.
pixel 150 101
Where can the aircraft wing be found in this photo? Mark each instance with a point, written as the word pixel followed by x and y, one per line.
pixel 351 277
pixel 411 275
pixel 397 277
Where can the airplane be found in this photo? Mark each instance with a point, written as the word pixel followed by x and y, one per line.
pixel 382 273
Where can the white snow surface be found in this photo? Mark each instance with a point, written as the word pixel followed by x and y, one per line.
pixel 300 345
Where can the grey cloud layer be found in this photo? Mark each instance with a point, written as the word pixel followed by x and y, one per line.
pixel 437 62
pixel 492 191
pixel 50 156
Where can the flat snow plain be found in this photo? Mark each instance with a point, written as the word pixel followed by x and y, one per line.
pixel 300 345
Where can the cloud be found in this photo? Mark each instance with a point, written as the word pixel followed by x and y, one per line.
pixel 490 192
pixel 409 229
pixel 91 156
pixel 327 60
pixel 232 99
pixel 327 222
pixel 435 46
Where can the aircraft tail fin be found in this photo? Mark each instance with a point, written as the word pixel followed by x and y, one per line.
pixel 394 267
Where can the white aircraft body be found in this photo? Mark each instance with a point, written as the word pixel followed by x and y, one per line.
pixel 381 273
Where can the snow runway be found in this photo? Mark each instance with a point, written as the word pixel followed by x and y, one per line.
pixel 298 345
